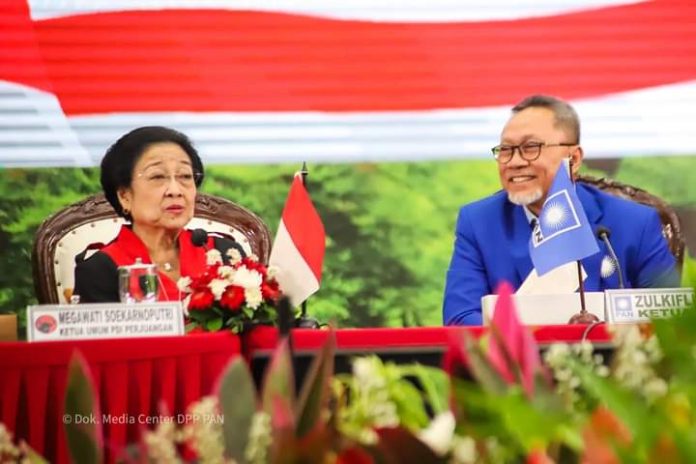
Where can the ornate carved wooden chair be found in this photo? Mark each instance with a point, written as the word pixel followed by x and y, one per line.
pixel 68 232
pixel 671 226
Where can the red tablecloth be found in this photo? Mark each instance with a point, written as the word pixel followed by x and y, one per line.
pixel 265 338
pixel 132 377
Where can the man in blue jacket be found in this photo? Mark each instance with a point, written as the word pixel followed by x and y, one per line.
pixel 492 234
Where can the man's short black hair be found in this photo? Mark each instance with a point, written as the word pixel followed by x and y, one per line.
pixel 566 118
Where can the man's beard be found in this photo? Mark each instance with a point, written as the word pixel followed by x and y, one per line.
pixel 524 199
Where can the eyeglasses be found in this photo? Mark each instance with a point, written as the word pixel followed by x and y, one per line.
pixel 159 179
pixel 529 151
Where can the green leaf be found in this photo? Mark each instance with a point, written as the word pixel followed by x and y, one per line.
pixel 677 336
pixel 480 415
pixel 237 396
pixel 279 380
pixel 481 369
pixel 628 407
pixel 541 425
pixel 409 404
pixel 83 430
pixel 32 457
pixel 685 443
pixel 316 388
pixel 513 419
pixel 435 385
pixel 214 325
pixel 201 316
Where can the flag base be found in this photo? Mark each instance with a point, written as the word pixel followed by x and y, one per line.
pixel 583 317
pixel 305 322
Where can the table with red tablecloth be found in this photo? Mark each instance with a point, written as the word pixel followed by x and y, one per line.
pixel 424 345
pixel 263 339
pixel 133 377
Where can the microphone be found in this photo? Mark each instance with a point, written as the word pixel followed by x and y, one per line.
pixel 603 234
pixel 199 238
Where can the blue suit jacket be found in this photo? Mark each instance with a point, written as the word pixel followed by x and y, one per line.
pixel 492 239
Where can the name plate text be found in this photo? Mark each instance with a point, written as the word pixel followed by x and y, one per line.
pixel 104 320
pixel 641 305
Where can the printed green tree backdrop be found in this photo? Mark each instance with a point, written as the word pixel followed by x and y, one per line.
pixel 389 225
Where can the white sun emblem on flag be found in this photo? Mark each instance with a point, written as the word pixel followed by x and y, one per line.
pixel 608 267
pixel 554 216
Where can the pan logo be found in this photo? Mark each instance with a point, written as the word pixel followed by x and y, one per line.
pixel 623 307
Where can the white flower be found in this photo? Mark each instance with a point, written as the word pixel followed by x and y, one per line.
pixel 272 271
pixel 585 350
pixel 161 443
pixel 384 413
pixel 185 304
pixel 260 438
pixel 217 287
pixel 7 448
pixel 247 278
pixel 205 430
pixel 557 354
pixel 655 388
pixel 364 368
pixel 558 357
pixel 226 272
pixel 234 255
pixel 184 284
pixel 464 450
pixel 253 297
pixel 213 256
pixel 633 363
pixel 438 435
pixel 368 374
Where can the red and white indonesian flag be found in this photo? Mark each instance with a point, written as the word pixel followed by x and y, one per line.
pixel 298 250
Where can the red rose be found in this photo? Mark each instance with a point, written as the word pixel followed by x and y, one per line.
pixel 232 298
pixel 254 266
pixel 201 300
pixel 539 456
pixel 201 282
pixel 354 455
pixel 270 290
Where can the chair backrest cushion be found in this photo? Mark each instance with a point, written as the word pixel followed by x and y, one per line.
pixel 671 225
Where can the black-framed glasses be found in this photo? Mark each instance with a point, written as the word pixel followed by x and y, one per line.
pixel 529 151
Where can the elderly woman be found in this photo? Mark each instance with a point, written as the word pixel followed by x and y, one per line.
pixel 150 177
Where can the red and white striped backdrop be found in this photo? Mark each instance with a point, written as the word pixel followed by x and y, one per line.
pixel 329 80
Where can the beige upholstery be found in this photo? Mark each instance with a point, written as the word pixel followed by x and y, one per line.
pixel 671 225
pixel 67 233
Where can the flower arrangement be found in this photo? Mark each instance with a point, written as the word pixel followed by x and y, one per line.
pixel 230 296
